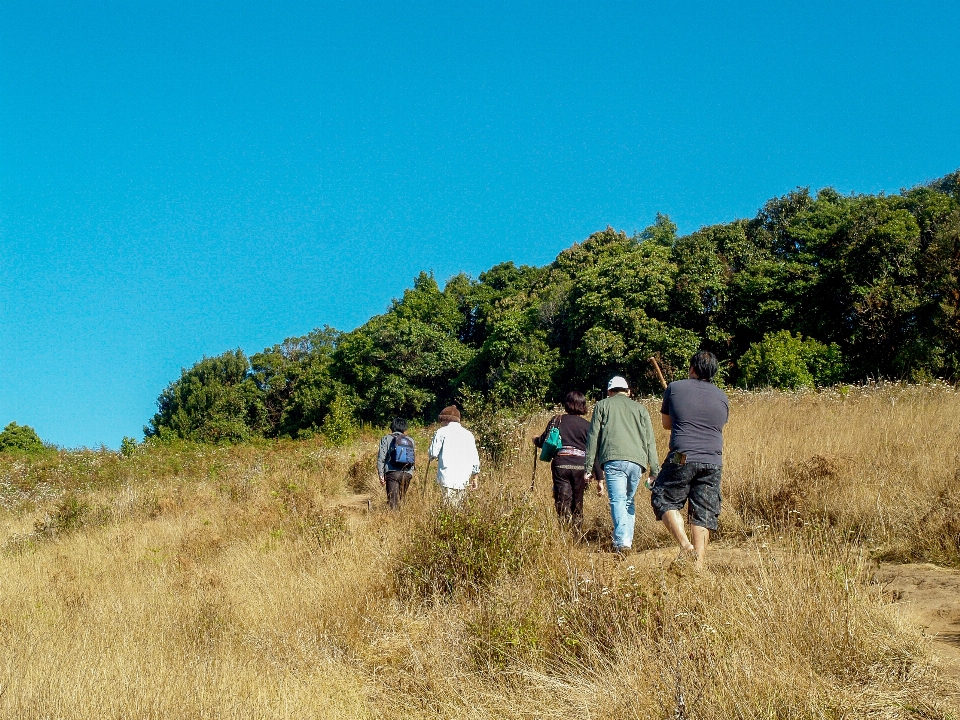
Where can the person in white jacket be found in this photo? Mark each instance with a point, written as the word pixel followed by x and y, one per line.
pixel 458 462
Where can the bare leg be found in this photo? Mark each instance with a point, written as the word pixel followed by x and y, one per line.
pixel 674 522
pixel 701 536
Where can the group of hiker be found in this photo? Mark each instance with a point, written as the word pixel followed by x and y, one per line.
pixel 616 448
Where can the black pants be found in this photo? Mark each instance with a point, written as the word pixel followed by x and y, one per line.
pixel 398 483
pixel 568 486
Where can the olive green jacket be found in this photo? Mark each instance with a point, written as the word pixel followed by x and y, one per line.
pixel 621 430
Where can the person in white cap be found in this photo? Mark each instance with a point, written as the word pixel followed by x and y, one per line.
pixel 621 440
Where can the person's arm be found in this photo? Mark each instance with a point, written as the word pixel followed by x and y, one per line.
pixel 382 459
pixel 435 446
pixel 593 436
pixel 650 446
pixel 665 418
pixel 538 441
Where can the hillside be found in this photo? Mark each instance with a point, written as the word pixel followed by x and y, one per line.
pixel 255 580
pixel 812 291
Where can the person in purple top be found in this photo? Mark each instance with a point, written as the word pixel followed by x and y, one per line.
pixel 567 466
pixel 694 411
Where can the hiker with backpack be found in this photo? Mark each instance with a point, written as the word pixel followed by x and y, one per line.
pixel 566 466
pixel 395 462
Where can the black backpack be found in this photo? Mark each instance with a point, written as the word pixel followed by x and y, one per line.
pixel 401 452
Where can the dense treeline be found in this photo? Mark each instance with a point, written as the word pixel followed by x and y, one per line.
pixel 813 290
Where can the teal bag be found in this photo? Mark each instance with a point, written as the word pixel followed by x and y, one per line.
pixel 551 444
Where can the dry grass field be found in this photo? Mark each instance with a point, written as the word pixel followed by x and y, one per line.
pixel 256 582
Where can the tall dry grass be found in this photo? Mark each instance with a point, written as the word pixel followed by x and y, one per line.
pixel 249 582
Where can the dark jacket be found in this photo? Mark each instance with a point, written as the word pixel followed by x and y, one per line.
pixel 573 436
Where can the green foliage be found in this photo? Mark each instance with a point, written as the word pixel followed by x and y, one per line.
pixel 465 550
pixel 20 438
pixel 782 360
pixel 70 514
pixel 619 310
pixel 214 401
pixel 515 364
pixel 404 362
pixel 663 231
pixel 339 424
pixel 128 446
pixel 874 278
pixel 296 382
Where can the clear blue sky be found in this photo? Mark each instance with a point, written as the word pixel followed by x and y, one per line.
pixel 182 178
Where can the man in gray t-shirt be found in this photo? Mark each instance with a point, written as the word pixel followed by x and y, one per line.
pixel 694 411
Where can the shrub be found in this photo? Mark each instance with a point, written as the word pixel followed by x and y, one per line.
pixel 500 434
pixel 787 362
pixel 70 514
pixel 128 446
pixel 467 549
pixel 20 438
pixel 339 425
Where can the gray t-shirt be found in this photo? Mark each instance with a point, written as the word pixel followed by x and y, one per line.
pixel 698 411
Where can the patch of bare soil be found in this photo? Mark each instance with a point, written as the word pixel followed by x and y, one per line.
pixel 930 594
pixel 357 502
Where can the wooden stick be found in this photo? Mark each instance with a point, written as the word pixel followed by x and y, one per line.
pixel 423 484
pixel 656 367
pixel 533 479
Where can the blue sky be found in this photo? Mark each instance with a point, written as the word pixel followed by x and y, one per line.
pixel 180 179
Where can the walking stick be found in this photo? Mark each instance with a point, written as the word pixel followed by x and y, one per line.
pixel 534 477
pixel 426 470
pixel 656 368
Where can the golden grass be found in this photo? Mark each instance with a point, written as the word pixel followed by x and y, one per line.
pixel 229 582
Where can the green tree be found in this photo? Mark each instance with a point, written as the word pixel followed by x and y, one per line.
pixel 404 362
pixel 663 231
pixel 515 364
pixel 20 438
pixel 214 401
pixel 617 314
pixel 296 381
pixel 339 424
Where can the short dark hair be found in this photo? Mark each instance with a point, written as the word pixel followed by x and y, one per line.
pixel 398 425
pixel 704 365
pixel 575 403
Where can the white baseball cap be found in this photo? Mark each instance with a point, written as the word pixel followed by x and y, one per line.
pixel 617 383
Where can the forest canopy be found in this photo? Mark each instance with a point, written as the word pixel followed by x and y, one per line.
pixel 814 290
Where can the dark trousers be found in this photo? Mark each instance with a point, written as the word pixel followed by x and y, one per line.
pixel 568 486
pixel 398 483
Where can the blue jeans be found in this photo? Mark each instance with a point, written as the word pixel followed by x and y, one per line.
pixel 623 478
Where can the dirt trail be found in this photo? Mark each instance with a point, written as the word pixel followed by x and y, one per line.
pixel 931 595
pixel 357 502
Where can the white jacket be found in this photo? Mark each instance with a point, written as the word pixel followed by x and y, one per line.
pixel 457 456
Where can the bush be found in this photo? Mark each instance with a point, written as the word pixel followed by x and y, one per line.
pixel 128 446
pixel 20 438
pixel 339 425
pixel 787 362
pixel 69 514
pixel 467 549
